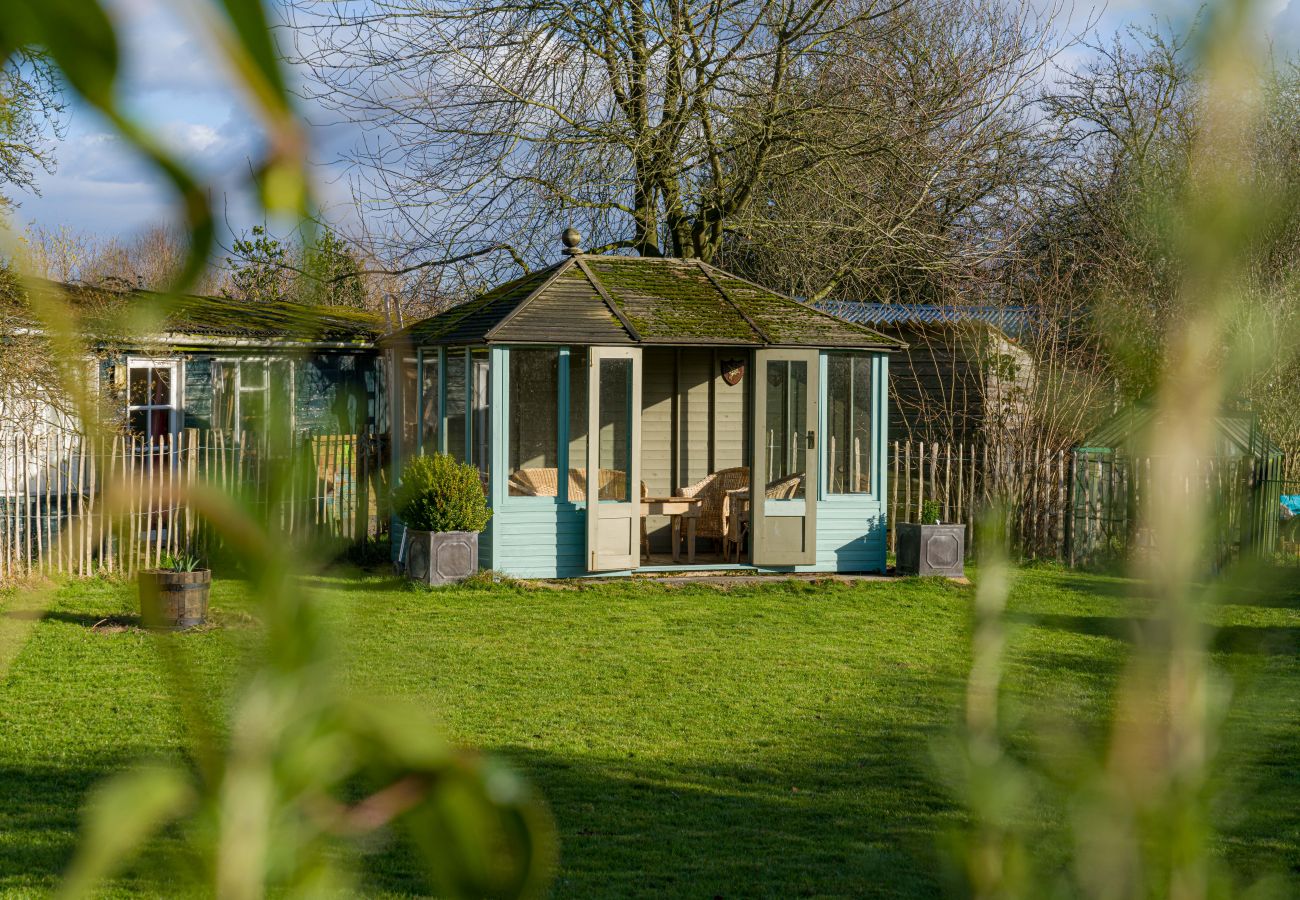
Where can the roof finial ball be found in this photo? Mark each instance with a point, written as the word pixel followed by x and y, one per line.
pixel 572 239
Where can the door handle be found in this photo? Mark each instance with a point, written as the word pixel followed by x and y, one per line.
pixel 812 440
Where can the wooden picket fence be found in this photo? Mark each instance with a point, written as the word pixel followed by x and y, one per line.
pixel 75 505
pixel 1079 507
pixel 1031 485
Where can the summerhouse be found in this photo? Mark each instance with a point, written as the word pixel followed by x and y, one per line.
pixel 636 414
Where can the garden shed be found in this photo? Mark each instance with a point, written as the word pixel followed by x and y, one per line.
pixel 680 386
pixel 964 375
pixel 1113 477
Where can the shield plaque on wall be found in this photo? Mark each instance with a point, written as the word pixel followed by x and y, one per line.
pixel 732 371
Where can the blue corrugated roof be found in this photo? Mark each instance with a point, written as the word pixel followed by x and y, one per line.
pixel 1011 319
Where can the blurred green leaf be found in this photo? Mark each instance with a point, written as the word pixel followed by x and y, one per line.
pixel 121 815
pixel 79 37
pixel 249 21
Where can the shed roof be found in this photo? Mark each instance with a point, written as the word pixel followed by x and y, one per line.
pixel 1012 320
pixel 592 299
pixel 101 313
pixel 1235 434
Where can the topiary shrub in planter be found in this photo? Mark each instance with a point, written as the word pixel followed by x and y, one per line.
pixel 931 547
pixel 441 503
pixel 174 596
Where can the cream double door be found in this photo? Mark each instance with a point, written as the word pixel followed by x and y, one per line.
pixel 783 519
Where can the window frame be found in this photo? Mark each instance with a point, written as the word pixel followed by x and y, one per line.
pixel 237 364
pixel 174 407
pixel 872 359
pixel 561 428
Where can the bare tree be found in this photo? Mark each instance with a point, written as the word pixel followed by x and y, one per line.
pixel 925 165
pixel 1132 115
pixel 1127 117
pixel 148 260
pixel 649 123
pixel 31 112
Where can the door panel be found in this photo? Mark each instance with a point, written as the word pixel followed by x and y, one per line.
pixel 784 488
pixel 613 464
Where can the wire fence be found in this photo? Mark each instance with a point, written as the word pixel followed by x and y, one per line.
pixel 77 505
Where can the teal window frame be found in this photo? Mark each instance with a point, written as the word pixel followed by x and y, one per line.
pixel 500 469
pixel 434 356
pixel 879 398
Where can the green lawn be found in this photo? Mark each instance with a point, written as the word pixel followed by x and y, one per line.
pixel 776 740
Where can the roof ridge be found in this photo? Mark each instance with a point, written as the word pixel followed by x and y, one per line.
pixel 763 335
pixel 821 312
pixel 608 300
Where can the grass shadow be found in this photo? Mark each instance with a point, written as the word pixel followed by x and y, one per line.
pixel 860 826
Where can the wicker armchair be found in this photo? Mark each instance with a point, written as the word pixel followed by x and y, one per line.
pixel 534 483
pixel 543 482
pixel 735 510
pixel 713 489
pixel 609 478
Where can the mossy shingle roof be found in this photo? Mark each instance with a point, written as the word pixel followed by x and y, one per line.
pixel 638 300
pixel 108 315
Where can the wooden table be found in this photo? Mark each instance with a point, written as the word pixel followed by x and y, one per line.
pixel 678 509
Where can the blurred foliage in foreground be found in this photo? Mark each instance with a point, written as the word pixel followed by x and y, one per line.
pixel 1141 803
pixel 302 764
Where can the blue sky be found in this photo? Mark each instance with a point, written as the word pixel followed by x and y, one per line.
pixel 175 84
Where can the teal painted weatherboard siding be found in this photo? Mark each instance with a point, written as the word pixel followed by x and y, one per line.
pixel 545 537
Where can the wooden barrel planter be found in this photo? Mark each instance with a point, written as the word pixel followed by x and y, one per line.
pixel 173 601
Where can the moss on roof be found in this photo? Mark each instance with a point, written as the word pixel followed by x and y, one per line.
pixel 671 299
pixel 665 301
pixel 121 315
pixel 279 320
pixel 787 321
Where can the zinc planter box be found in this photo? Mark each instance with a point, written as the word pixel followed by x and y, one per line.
pixel 441 557
pixel 931 550
pixel 174 601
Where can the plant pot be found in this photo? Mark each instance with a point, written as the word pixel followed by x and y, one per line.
pixel 174 601
pixel 931 550
pixel 441 557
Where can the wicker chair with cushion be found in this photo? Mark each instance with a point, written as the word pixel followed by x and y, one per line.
pixel 713 489
pixel 534 483
pixel 543 482
pixel 613 483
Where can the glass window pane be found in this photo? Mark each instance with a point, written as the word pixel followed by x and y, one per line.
pixel 534 434
pixel 223 396
pixel 577 424
pixel 252 411
pixel 848 421
pixel 860 452
pixel 252 375
pixel 160 423
pixel 138 386
pixel 280 401
pixel 839 422
pixel 786 428
pixel 615 447
pixel 429 402
pixel 481 431
pixel 457 402
pixel 138 422
pixel 160 393
pixel 408 387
